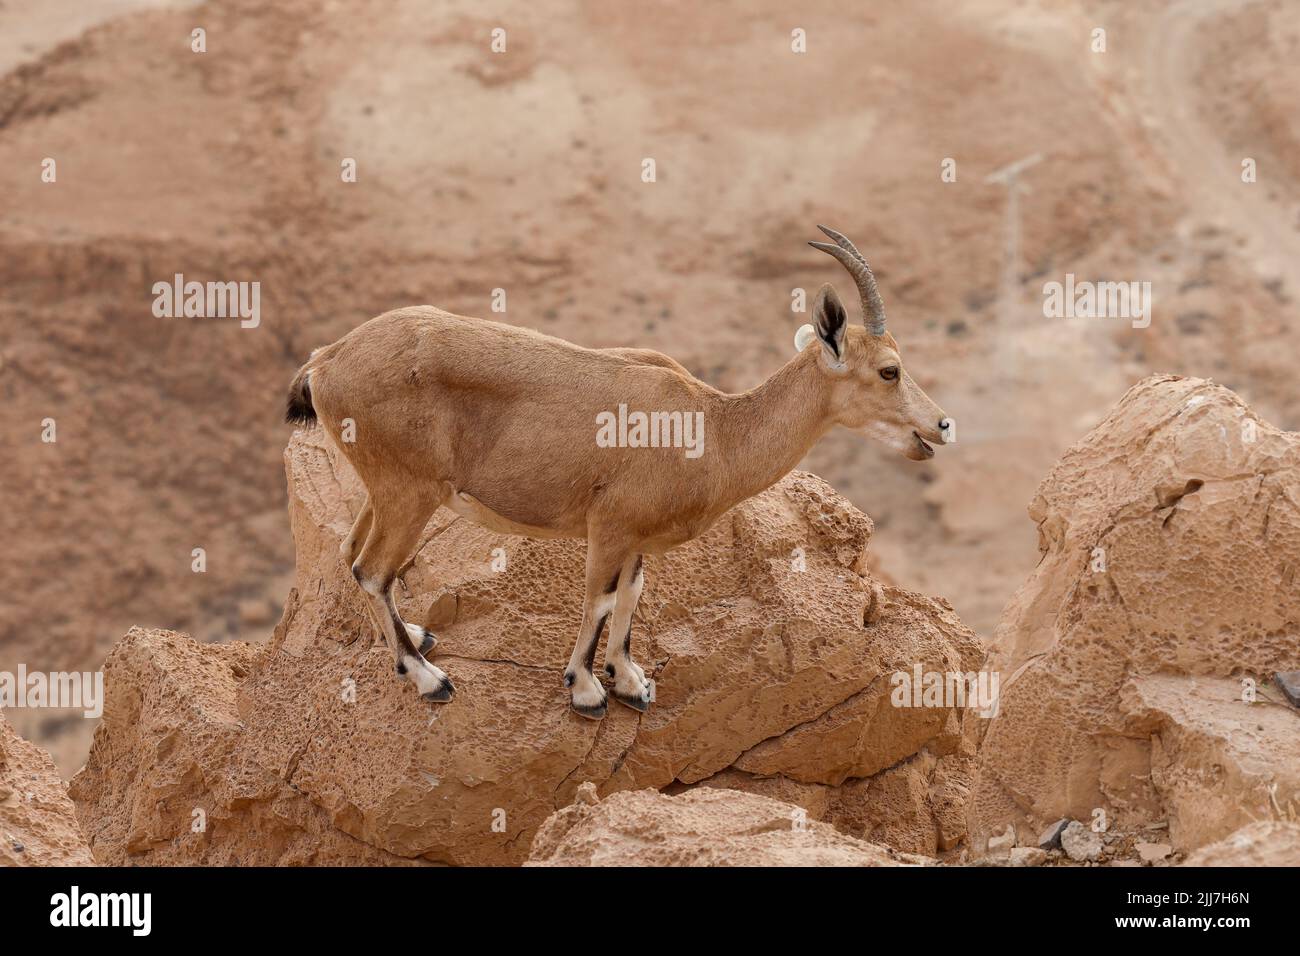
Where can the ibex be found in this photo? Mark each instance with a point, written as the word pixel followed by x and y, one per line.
pixel 501 424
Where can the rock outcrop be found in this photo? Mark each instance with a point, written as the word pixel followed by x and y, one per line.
pixel 1265 843
pixel 173 777
pixel 771 645
pixel 37 824
pixel 1137 660
pixel 703 827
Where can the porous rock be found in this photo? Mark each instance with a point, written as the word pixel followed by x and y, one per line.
pixel 702 827
pixel 38 826
pixel 771 645
pixel 1136 660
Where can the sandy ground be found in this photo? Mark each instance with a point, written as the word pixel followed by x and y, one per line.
pixel 522 171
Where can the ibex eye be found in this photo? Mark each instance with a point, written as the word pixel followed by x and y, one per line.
pixel 890 373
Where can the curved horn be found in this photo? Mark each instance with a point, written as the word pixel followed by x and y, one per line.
pixel 873 309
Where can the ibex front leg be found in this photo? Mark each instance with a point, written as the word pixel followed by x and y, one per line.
pixel 603 566
pixel 630 684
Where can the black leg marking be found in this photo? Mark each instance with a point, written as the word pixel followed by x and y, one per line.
pixel 594 712
pixel 399 626
pixel 595 639
pixel 613 584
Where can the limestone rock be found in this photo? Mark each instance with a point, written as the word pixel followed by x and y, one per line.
pixel 702 827
pixel 1217 761
pixel 1153 852
pixel 1001 844
pixel 1166 589
pixel 1027 856
pixel 1265 843
pixel 170 780
pixel 38 826
pixel 771 645
pixel 1080 843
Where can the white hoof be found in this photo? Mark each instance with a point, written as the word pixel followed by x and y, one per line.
pixel 430 681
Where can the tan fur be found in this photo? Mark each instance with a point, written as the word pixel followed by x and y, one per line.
pixel 499 423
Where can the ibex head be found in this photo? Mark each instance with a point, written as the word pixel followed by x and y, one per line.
pixel 871 392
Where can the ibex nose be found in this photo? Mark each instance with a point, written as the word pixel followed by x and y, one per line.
pixel 948 429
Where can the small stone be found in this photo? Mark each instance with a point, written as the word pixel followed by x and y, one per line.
pixel 1153 852
pixel 1050 839
pixel 1289 683
pixel 1000 843
pixel 1028 856
pixel 1080 843
pixel 586 794
pixel 18 847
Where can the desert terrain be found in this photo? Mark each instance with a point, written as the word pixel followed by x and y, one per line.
pixel 522 171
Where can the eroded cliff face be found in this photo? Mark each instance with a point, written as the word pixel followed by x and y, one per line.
pixel 770 642
pixel 1165 602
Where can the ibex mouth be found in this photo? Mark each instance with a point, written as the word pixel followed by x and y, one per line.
pixel 926 449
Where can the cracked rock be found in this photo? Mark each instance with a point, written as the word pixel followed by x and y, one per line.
pixel 1167 540
pixel 308 749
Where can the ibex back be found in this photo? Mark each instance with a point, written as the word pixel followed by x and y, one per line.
pixel 512 428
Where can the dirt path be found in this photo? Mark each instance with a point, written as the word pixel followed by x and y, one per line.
pixel 1210 178
pixel 26 34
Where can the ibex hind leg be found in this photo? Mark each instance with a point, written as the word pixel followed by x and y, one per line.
pixel 399 517
pixel 423 639
pixel 356 538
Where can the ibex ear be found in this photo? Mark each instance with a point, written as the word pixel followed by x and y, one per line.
pixel 829 322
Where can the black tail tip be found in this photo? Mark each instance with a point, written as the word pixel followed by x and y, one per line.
pixel 299 410
pixel 298 414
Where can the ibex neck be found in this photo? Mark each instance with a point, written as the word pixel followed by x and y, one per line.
pixel 764 432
